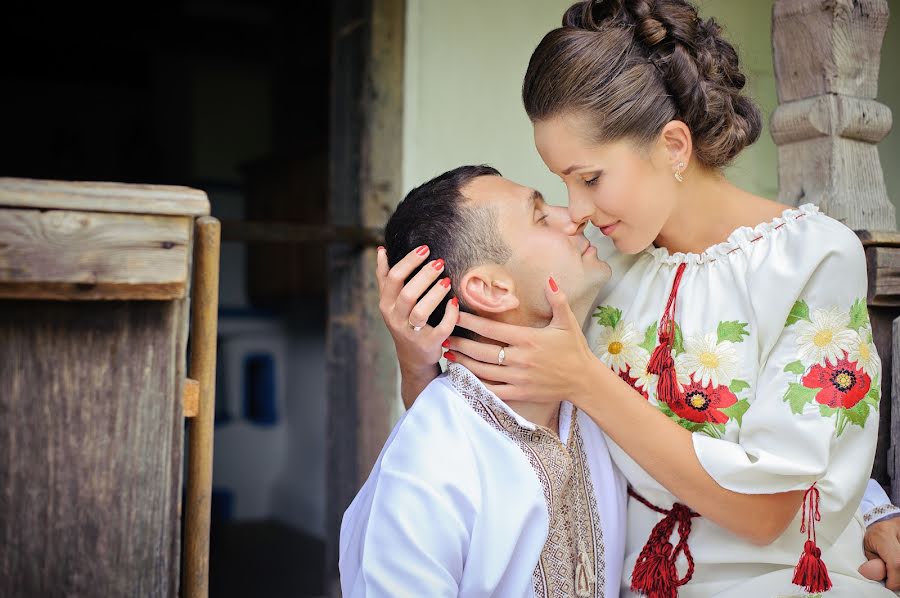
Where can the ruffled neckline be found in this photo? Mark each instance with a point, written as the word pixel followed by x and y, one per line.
pixel 739 239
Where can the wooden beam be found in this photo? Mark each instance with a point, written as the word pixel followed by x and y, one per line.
pixel 74 255
pixel 827 125
pixel 92 196
pixel 288 232
pixel 884 276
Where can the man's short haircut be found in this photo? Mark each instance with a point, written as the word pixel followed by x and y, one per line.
pixel 437 214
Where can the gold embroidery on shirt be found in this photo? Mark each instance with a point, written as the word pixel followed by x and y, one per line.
pixel 572 560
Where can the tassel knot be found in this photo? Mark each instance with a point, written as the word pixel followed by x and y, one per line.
pixel 654 573
pixel 661 361
pixel 811 572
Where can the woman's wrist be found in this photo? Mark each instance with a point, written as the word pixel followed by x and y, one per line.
pixel 593 375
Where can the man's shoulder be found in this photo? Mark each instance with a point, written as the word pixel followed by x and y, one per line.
pixel 433 441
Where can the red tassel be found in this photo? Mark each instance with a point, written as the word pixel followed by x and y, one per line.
pixel 661 362
pixel 654 572
pixel 811 572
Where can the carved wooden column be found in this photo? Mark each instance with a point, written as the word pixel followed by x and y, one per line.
pixel 828 123
pixel 827 127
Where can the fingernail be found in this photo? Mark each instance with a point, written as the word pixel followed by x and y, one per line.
pixel 422 250
pixel 449 356
pixel 553 286
pixel 445 282
pixel 380 248
pixel 455 302
pixel 438 264
pixel 446 344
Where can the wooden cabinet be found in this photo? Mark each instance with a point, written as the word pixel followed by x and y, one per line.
pixel 95 280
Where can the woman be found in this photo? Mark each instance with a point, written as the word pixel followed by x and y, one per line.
pixel 737 378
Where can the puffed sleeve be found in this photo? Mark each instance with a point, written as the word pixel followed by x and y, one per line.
pixel 812 416
pixel 404 552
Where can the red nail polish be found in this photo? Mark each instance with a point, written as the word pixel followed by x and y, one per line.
pixel 446 344
pixel 445 283
pixel 422 250
pixel 455 302
pixel 438 264
pixel 553 286
pixel 449 356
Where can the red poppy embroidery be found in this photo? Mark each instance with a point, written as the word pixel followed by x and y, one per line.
pixel 842 384
pixel 702 404
pixel 625 375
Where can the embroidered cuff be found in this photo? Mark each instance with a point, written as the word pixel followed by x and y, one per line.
pixel 880 513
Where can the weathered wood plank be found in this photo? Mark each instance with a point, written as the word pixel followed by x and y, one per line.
pixel 88 255
pixel 883 264
pixel 90 448
pixel 169 200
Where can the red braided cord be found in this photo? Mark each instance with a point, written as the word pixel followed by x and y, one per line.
pixel 662 531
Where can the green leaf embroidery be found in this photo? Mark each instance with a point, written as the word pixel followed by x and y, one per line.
pixel 608 316
pixel 795 367
pixel 859 315
pixel 678 345
pixel 713 430
pixel 800 311
pixel 826 411
pixel 858 414
pixel 650 338
pixel 732 331
pixel 667 411
pixel 873 397
pixel 798 396
pixel 737 410
pixel 690 426
pixel 737 386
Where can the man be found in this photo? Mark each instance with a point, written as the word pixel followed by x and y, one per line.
pixel 470 496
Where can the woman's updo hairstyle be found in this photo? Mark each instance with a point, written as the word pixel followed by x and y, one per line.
pixel 631 66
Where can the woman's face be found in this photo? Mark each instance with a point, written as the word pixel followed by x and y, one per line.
pixel 625 191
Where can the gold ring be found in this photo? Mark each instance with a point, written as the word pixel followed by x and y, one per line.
pixel 414 327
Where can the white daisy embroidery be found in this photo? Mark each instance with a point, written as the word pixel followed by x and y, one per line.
pixel 617 345
pixel 643 380
pixel 825 336
pixel 708 360
pixel 863 353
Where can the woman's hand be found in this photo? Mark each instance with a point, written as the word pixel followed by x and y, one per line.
pixel 539 363
pixel 406 307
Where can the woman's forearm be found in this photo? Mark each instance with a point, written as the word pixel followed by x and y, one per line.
pixel 665 450
pixel 413 382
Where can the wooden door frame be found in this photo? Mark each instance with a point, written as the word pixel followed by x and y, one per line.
pixel 365 186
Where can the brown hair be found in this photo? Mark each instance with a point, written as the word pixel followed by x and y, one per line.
pixel 631 66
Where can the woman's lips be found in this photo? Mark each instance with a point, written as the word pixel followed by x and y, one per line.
pixel 609 228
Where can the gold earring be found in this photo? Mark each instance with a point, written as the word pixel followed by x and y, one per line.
pixel 678 176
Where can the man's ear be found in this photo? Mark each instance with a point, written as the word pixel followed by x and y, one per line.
pixel 489 289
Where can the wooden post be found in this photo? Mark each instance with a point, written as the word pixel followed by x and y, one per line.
pixel 366 161
pixel 204 322
pixel 827 123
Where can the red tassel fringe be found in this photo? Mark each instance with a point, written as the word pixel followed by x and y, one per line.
pixel 661 362
pixel 811 572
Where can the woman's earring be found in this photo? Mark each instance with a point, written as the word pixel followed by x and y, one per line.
pixel 678 176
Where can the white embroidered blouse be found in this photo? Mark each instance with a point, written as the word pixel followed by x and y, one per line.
pixel 780 386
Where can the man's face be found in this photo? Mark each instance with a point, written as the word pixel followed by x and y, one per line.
pixel 543 242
